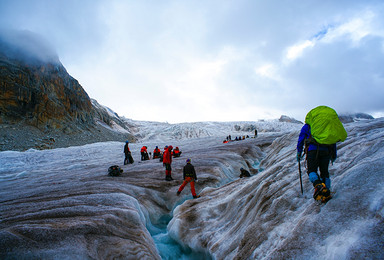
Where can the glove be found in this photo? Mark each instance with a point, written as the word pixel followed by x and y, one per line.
pixel 298 156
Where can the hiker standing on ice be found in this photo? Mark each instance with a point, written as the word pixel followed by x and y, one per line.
pixel 127 152
pixel 189 175
pixel 167 161
pixel 320 133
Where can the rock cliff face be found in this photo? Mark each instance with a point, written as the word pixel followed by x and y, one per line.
pixel 39 100
pixel 39 92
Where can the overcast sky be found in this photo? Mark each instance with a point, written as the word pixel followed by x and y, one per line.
pixel 185 61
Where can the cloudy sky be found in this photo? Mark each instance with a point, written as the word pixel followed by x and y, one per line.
pixel 215 60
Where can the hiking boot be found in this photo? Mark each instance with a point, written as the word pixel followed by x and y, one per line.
pixel 167 178
pixel 325 195
pixel 325 199
pixel 178 193
pixel 318 194
pixel 326 192
pixel 197 196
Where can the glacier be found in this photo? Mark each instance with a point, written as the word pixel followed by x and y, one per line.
pixel 61 204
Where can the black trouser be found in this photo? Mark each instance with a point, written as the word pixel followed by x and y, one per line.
pixel 318 159
pixel 128 158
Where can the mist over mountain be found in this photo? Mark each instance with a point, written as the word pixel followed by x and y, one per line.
pixel 27 47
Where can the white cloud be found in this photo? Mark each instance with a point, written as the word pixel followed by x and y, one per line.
pixel 268 70
pixel 295 51
pixel 355 29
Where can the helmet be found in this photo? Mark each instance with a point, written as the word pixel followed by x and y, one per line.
pixel 188 160
pixel 126 142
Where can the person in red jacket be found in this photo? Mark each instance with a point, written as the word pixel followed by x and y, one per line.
pixel 167 161
pixel 156 153
pixel 189 175
pixel 162 154
pixel 144 153
pixel 176 152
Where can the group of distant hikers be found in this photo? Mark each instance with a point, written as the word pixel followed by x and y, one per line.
pixel 189 173
pixel 317 141
pixel 237 138
pixel 144 153
pixel 229 138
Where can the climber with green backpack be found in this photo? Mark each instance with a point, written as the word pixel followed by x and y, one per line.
pixel 321 132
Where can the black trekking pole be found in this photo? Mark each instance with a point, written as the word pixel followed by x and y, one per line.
pixel 301 181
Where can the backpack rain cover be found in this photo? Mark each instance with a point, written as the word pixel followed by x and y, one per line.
pixel 326 127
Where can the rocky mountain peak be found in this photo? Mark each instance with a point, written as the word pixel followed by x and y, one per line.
pixel 38 94
pixel 349 118
pixel 288 119
pixel 35 88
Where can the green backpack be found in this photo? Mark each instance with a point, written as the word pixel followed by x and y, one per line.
pixel 326 127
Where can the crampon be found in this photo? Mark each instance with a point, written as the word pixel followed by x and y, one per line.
pixel 322 194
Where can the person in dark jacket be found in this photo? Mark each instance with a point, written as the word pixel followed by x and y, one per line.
pixel 128 157
pixel 189 175
pixel 318 157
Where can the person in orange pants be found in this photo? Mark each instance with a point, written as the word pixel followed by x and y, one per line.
pixel 189 175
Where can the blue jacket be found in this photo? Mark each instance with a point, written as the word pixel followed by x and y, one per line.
pixel 305 133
